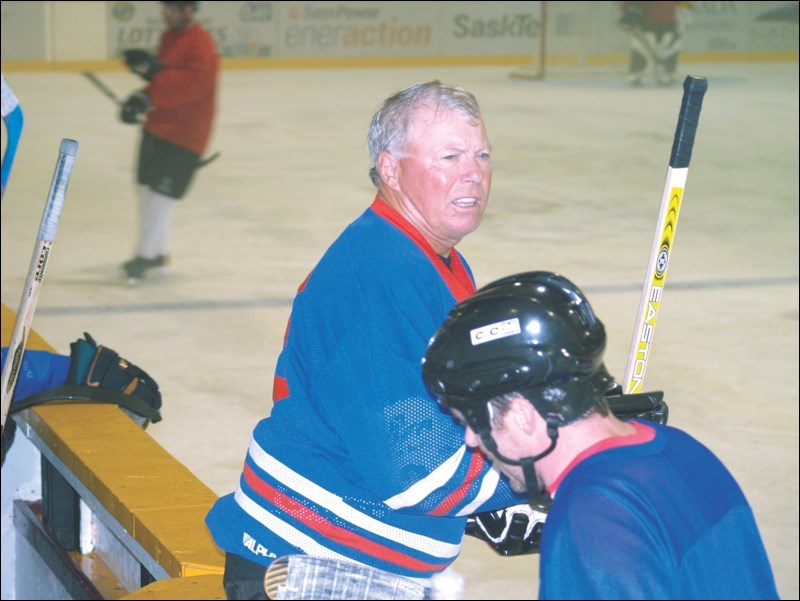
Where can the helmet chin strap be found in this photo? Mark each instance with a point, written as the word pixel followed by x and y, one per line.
pixel 540 498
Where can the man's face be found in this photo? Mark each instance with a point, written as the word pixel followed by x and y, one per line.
pixel 177 17
pixel 444 176
pixel 503 436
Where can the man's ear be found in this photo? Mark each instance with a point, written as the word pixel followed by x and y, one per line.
pixel 387 168
pixel 524 414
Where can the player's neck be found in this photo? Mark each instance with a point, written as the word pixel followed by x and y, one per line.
pixel 575 443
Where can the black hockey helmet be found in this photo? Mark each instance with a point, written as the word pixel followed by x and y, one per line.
pixel 532 333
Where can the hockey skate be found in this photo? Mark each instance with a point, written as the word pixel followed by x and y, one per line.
pixel 636 80
pixel 138 267
pixel 664 75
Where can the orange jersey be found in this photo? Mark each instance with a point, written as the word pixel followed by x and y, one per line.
pixel 184 92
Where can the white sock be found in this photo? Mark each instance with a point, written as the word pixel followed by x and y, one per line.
pixel 155 218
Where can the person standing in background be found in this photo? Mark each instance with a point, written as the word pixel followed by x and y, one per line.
pixel 176 110
pixel 656 29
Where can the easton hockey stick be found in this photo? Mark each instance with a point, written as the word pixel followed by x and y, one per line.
pixel 12 117
pixel 114 98
pixel 694 88
pixel 41 253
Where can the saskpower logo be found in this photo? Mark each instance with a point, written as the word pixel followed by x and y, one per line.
pixel 255 547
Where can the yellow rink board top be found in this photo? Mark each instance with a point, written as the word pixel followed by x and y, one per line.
pixel 9 319
pixel 205 586
pixel 160 503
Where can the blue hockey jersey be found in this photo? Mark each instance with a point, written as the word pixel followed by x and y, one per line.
pixel 39 371
pixel 357 461
pixel 654 516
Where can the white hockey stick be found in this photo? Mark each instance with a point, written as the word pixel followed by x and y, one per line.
pixel 41 253
pixel 12 117
pixel 694 88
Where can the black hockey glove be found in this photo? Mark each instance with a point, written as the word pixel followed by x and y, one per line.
pixel 514 530
pixel 645 405
pixel 141 62
pixel 96 374
pixel 100 367
pixel 134 107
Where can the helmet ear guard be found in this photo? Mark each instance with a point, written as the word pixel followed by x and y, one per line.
pixel 484 381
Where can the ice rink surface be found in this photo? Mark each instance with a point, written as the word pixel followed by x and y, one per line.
pixel 579 167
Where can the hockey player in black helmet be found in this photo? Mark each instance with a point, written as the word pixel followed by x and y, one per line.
pixel 637 509
pixel 532 334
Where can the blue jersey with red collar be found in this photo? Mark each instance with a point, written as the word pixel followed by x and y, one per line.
pixel 661 518
pixel 357 461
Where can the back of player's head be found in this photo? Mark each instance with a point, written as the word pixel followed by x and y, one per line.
pixel 534 334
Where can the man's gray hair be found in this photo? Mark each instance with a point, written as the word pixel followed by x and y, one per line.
pixel 389 128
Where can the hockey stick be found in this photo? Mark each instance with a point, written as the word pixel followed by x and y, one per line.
pixel 12 116
pixel 102 87
pixel 694 88
pixel 110 94
pixel 41 252
pixel 347 580
pixel 209 159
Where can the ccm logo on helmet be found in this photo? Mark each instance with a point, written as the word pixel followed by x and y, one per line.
pixel 493 331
